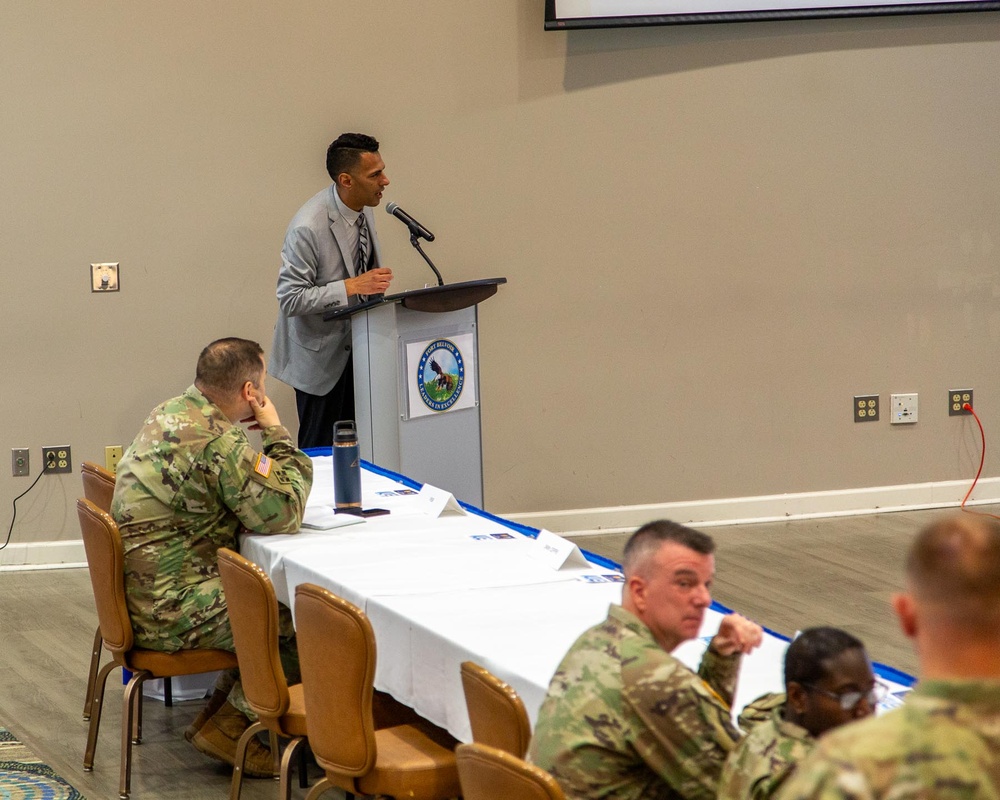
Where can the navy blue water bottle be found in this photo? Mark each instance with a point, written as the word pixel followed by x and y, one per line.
pixel 346 468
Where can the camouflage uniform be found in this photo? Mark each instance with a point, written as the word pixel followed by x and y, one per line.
pixel 944 742
pixel 625 720
pixel 765 758
pixel 187 485
pixel 760 710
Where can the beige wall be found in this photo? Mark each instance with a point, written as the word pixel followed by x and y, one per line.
pixel 714 236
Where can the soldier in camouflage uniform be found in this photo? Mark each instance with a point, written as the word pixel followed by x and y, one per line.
pixel 186 486
pixel 828 682
pixel 944 742
pixel 624 719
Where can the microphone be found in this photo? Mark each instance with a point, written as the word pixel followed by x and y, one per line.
pixel 415 227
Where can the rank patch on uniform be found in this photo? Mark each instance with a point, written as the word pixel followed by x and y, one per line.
pixel 263 466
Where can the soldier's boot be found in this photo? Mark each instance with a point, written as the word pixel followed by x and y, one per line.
pixel 215 702
pixel 220 734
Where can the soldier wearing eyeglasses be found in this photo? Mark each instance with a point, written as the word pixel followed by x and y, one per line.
pixel 828 682
pixel 944 741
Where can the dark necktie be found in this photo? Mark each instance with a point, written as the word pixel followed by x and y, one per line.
pixel 364 246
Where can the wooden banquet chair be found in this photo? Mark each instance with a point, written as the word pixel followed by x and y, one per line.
pixel 487 773
pixel 98 485
pixel 105 560
pixel 98 488
pixel 496 712
pixel 280 708
pixel 337 657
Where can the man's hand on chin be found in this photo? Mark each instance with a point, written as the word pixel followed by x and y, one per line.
pixel 265 415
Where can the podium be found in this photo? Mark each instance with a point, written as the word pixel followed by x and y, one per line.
pixel 416 383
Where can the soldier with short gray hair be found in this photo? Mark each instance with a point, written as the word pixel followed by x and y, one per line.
pixel 623 718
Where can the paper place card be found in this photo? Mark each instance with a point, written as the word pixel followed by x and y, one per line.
pixel 323 518
pixel 556 551
pixel 436 502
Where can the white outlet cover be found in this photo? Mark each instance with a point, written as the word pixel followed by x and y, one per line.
pixel 903 409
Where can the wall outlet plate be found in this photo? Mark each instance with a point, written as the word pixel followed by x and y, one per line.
pixel 958 398
pixel 20 462
pixel 112 455
pixel 866 408
pixel 104 277
pixel 57 459
pixel 904 408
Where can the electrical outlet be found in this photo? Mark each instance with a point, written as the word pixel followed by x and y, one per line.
pixel 112 455
pixel 866 408
pixel 904 408
pixel 19 461
pixel 957 398
pixel 57 459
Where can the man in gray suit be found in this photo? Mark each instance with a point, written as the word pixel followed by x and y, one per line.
pixel 330 259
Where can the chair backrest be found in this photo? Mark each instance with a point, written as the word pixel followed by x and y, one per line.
pixel 490 774
pixel 497 714
pixel 253 615
pixel 337 658
pixel 98 485
pixel 106 561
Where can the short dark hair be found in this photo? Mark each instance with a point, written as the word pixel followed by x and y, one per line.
pixel 806 657
pixel 954 563
pixel 345 151
pixel 647 540
pixel 226 364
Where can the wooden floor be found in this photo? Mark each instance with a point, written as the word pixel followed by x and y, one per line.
pixel 838 571
pixel 47 623
pixel 786 576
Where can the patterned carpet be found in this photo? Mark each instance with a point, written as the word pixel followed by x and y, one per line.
pixel 24 777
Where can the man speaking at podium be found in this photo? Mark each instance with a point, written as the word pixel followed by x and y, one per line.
pixel 330 259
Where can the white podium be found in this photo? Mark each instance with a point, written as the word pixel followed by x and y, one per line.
pixel 416 384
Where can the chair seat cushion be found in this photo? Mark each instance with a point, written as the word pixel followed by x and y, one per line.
pixel 411 764
pixel 181 662
pixel 293 721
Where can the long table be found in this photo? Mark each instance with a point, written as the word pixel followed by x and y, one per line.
pixel 440 590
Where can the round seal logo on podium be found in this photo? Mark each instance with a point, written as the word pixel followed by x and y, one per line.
pixel 441 375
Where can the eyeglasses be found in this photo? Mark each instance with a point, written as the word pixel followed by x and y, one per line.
pixel 849 700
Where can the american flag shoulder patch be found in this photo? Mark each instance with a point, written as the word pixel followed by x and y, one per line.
pixel 263 466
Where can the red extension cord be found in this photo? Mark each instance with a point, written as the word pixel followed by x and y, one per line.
pixel 982 460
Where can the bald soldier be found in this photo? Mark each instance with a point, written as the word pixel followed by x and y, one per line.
pixel 623 718
pixel 944 742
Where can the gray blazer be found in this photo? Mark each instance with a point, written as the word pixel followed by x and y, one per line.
pixel 307 352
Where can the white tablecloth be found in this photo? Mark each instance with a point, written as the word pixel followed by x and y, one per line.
pixel 443 590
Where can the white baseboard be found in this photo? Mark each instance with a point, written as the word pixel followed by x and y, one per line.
pixel 615 519
pixel 765 508
pixel 43 555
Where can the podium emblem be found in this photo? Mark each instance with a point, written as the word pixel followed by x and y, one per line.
pixel 441 375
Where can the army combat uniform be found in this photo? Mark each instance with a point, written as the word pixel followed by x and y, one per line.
pixel 189 482
pixel 943 743
pixel 624 720
pixel 765 758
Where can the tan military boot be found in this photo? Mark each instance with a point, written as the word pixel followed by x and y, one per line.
pixel 220 734
pixel 215 702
